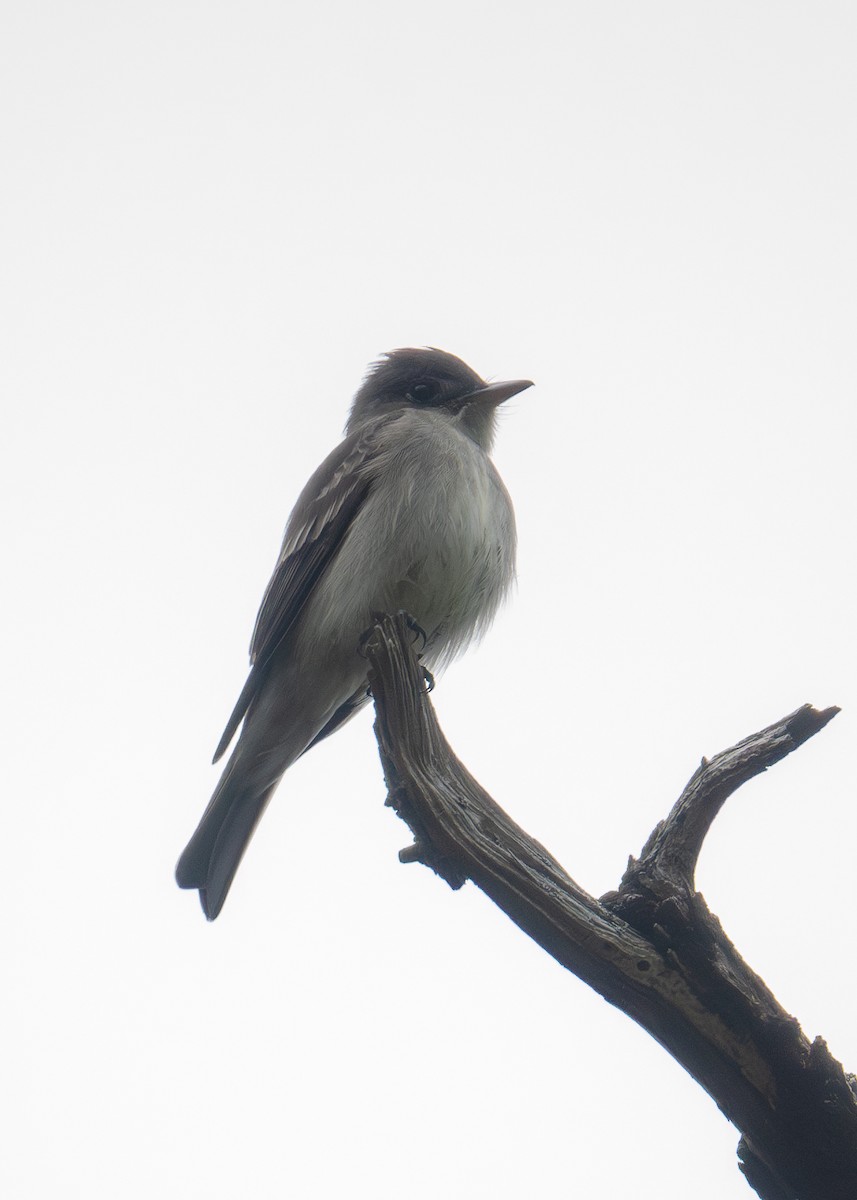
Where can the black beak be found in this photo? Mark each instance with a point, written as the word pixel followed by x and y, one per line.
pixel 495 393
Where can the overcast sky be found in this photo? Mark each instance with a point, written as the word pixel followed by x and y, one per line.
pixel 214 217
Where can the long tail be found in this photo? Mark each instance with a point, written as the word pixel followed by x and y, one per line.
pixel 277 730
pixel 212 855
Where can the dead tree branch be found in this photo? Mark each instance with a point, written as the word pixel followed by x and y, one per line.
pixel 651 948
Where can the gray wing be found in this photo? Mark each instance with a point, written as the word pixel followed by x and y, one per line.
pixel 320 520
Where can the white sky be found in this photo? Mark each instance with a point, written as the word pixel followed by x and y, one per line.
pixel 214 216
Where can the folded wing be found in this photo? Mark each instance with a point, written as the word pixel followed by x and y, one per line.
pixel 321 518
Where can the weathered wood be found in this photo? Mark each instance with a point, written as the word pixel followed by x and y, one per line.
pixel 651 948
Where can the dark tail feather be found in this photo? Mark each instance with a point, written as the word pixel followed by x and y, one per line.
pixel 344 713
pixel 212 855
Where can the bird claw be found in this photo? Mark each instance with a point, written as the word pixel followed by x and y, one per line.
pixel 415 627
pixel 412 624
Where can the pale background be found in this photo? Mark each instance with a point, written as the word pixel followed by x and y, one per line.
pixel 214 216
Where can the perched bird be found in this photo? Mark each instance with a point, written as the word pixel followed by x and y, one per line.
pixel 408 513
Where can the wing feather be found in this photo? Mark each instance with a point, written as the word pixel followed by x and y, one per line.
pixel 320 520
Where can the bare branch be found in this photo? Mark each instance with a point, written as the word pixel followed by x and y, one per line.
pixel 652 948
pixel 673 846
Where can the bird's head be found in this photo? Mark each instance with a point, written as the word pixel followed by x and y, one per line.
pixel 426 378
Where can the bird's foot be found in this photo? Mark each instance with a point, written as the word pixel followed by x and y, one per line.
pixel 419 635
pixel 411 622
pixel 415 627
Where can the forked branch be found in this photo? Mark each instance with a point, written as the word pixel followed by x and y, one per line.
pixel 651 948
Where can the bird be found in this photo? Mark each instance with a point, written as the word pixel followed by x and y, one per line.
pixel 407 514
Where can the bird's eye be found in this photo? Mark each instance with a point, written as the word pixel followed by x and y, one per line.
pixel 422 393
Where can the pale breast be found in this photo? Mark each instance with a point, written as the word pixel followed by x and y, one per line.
pixel 435 537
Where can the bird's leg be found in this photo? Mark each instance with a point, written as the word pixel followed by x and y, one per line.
pixel 415 628
pixel 420 633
